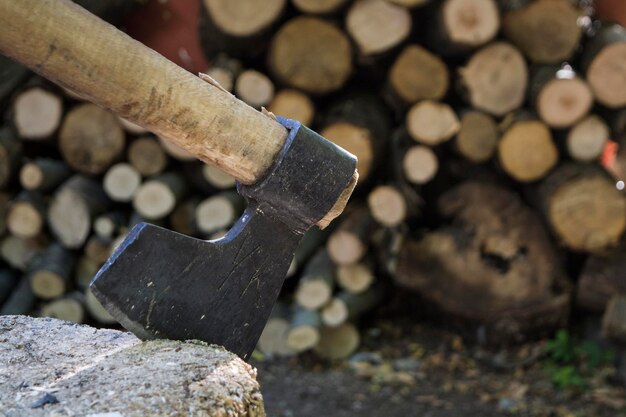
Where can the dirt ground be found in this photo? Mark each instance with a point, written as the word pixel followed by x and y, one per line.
pixel 408 370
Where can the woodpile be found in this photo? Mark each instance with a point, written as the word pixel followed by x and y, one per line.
pixel 487 133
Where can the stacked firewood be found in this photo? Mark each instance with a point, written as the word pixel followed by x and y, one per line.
pixel 487 134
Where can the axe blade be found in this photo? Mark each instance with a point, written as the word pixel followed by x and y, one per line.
pixel 161 284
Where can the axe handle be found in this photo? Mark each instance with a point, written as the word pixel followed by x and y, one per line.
pixel 75 49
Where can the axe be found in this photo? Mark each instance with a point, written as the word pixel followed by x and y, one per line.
pixel 160 284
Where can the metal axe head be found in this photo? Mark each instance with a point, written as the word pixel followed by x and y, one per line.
pixel 161 284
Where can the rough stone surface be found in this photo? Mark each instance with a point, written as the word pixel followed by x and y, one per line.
pixel 93 372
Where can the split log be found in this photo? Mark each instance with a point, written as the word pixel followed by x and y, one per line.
pixel 602 277
pixel 586 140
pixel 527 151
pixel 121 182
pixel 417 74
pixel 431 122
pixel 254 88
pixel 583 207
pixel 43 174
pixel 218 178
pixel 18 253
pixel 310 54
pixel 240 27
pixel 462 25
pixel 348 244
pixel 8 281
pixel 560 97
pixel 377 26
pixel 225 71
pixel 26 215
pixel 355 278
pixel 51 272
pixel 316 284
pixel 321 7
pixel 10 154
pixel 420 164
pixel 95 309
pixel 495 78
pixel 493 264
pixel 85 368
pixel 547 31
pixel 303 333
pixel 338 342
pixel 387 205
pixel 21 301
pixel 157 197
pixel 293 104
pixel 603 61
pixel 147 156
pixel 91 139
pixel 478 136
pixel 614 320
pixel 131 127
pixel 37 113
pixel 73 208
pixel 273 340
pixel 68 308
pixel 219 211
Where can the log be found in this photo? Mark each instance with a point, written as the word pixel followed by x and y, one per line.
pixel 527 151
pixel 8 281
pixel 387 205
pixel 147 156
pixel 175 151
pixel 491 264
pixel 586 139
pixel 37 113
pixel 12 75
pixel 559 96
pixel 224 70
pixel 183 218
pixel 418 74
pixel 219 211
pixel 156 198
pixel 254 88
pixel 218 178
pixel 355 278
pixel 320 7
pixel 73 208
pixel 273 340
pixel 68 308
pixel 603 62
pixel 4 205
pixel 18 253
pixel 431 122
pixel 97 250
pixel 337 342
pixel 121 182
pixel 547 31
pixel 91 139
pixel 310 54
pixel 410 3
pixel 348 244
pixel 420 164
pixel 43 174
pixel 109 225
pixel 21 301
pixel 377 27
pixel 614 319
pixel 26 215
pixel 85 368
pixel 459 26
pixel 354 305
pixel 478 136
pixel 303 333
pixel 316 284
pixel 95 309
pixel 495 78
pixel 293 104
pixel 240 27
pixel 602 277
pixel 86 269
pixel 313 239
pixel 131 127
pixel 51 272
pixel 10 154
pixel 583 207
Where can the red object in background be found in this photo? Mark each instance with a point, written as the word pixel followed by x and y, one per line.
pixel 171 29
pixel 612 10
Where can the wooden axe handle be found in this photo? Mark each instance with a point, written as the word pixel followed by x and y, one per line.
pixel 68 45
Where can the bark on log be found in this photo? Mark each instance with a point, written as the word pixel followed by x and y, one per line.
pixel 303 333
pixel 10 154
pixel 348 244
pixel 50 274
pixel 602 277
pixel 217 178
pixel 316 284
pixel 614 320
pixel 493 265
pixel 43 174
pixel 12 75
pixel 37 113
pixel 69 308
pixel 8 281
pixel 21 301
pixel 312 55
pixel 84 368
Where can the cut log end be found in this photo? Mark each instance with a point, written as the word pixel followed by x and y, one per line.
pixel 345 248
pixel 431 122
pixel 66 309
pixel 70 218
pixel 31 177
pixel 355 278
pixel 478 136
pixel 313 293
pixel 254 88
pixel 154 200
pixel 244 18
pixel 293 104
pixel 562 102
pixel 37 114
pixel 216 213
pixel 334 313
pixel 338 342
pixel 47 284
pixel 606 75
pixel 387 205
pixel 24 220
pixel 319 6
pixel 356 140
pixel 471 22
pixel 417 74
pixel 420 164
pixel 147 156
pixel 218 178
pixel 587 139
pixel 121 182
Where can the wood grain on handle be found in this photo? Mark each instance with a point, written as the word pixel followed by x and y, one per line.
pixel 66 44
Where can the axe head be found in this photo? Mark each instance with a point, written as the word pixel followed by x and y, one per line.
pixel 161 284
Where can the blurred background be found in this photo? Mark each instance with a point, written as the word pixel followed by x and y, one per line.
pixel 479 269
